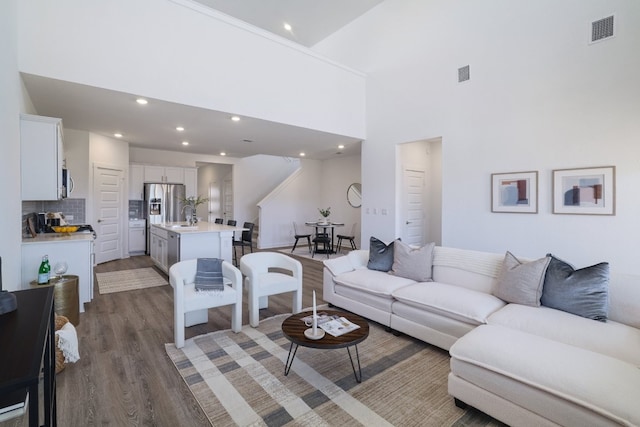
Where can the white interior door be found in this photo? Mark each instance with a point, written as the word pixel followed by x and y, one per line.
pixel 215 207
pixel 227 195
pixel 413 210
pixel 108 196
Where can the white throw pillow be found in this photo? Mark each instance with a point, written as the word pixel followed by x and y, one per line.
pixel 413 263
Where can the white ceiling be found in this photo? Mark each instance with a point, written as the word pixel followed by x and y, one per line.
pixel 209 132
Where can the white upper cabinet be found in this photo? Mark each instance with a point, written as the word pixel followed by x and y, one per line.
pixel 136 182
pixel 174 175
pixel 41 157
pixel 168 174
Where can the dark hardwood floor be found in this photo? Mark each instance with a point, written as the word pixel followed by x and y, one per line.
pixel 124 376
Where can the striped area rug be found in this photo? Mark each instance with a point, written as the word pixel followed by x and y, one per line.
pixel 238 379
pixel 127 280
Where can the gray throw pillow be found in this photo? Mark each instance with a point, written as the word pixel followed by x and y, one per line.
pixel 583 292
pixel 521 282
pixel 414 264
pixel 380 255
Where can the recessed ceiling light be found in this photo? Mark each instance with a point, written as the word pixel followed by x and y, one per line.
pixel 222 153
pixel 142 101
pixel 341 146
pixel 235 118
pixel 302 154
pixel 117 135
pixel 179 128
pixel 185 142
pixel 287 26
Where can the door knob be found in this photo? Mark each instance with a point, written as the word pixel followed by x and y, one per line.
pixel 408 222
pixel 99 220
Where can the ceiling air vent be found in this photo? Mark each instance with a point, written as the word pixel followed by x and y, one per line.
pixel 463 74
pixel 602 29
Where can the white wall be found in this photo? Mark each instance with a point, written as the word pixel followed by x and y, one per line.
pixel 164 50
pixel 540 98
pixel 11 104
pixel 317 184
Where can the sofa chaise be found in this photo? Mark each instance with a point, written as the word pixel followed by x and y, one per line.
pixel 521 362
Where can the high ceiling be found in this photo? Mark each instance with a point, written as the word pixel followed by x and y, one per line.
pixel 209 132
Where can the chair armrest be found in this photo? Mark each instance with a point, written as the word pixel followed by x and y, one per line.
pixel 230 272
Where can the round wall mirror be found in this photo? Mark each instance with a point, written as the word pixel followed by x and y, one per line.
pixel 354 194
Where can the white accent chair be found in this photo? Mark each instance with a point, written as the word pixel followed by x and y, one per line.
pixel 191 307
pixel 260 282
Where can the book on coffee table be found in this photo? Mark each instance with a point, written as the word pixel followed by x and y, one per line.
pixel 338 326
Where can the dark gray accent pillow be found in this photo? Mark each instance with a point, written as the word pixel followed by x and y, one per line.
pixel 583 292
pixel 380 255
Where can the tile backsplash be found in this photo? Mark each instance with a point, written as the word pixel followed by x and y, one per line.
pixel 71 208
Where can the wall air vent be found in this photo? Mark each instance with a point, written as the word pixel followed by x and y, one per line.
pixel 602 29
pixel 463 74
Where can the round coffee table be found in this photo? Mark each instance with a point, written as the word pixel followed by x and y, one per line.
pixel 293 329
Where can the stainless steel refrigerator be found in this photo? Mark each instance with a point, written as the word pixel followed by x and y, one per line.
pixel 162 203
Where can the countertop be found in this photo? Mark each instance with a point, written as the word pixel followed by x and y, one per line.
pixel 200 227
pixel 57 237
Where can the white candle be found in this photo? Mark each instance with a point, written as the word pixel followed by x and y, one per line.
pixel 315 318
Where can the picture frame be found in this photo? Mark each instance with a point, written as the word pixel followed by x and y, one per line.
pixel 585 191
pixel 514 192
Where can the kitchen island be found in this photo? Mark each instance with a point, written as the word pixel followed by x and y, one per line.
pixel 177 241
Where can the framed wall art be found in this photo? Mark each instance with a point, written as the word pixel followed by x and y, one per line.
pixel 514 192
pixel 585 191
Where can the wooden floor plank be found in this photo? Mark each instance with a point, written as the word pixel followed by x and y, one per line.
pixel 124 376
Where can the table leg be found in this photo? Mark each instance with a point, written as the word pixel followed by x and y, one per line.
pixel 290 357
pixel 358 375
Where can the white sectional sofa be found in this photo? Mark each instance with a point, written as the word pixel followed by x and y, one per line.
pixel 521 364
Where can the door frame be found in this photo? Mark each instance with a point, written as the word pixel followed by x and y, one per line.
pixel 123 238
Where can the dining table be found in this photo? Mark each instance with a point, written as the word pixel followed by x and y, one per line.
pixel 325 225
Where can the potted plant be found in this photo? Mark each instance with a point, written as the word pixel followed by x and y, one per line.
pixel 325 215
pixel 192 203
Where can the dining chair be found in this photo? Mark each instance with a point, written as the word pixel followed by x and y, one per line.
pixel 325 241
pixel 297 235
pixel 351 237
pixel 245 240
pixel 261 281
pixel 219 221
pixel 232 222
pixel 191 307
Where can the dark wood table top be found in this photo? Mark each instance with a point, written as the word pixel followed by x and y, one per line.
pixel 293 329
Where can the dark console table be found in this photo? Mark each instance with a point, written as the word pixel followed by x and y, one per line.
pixel 28 346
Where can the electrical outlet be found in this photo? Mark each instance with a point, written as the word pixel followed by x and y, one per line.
pixel 384 212
pixel 375 211
pixel 367 211
pixel 69 217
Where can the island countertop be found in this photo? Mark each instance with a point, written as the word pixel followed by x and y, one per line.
pixel 200 227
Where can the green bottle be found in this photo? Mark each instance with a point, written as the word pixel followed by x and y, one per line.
pixel 43 271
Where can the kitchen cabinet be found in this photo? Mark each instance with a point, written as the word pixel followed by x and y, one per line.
pixel 137 236
pixel 191 182
pixel 136 182
pixel 158 249
pixel 75 250
pixel 41 157
pixel 168 174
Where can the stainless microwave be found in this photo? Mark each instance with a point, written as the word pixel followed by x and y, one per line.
pixel 67 184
